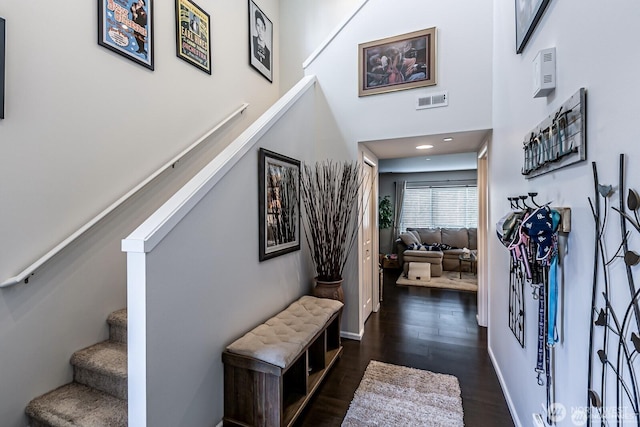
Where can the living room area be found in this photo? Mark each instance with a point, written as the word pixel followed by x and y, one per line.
pixel 429 210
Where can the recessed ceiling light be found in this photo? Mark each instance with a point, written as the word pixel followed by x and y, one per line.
pixel 448 139
pixel 428 158
pixel 424 147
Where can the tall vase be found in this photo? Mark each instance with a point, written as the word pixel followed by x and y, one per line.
pixel 331 290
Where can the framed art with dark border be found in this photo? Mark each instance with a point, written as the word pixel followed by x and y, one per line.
pixel 278 204
pixel 528 14
pixel 260 41
pixel 402 62
pixel 193 35
pixel 126 28
pixel 2 56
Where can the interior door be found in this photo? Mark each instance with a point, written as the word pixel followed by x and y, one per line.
pixel 367 243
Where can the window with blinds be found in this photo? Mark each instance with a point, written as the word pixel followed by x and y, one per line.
pixel 439 207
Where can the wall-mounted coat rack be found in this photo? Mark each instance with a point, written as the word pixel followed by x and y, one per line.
pixel 531 232
pixel 520 202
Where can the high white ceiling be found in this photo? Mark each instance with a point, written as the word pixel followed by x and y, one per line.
pixel 401 155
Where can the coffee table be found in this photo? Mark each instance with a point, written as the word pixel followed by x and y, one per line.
pixel 471 259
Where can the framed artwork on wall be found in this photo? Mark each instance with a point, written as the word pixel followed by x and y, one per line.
pixel 260 41
pixel 126 28
pixel 278 204
pixel 193 35
pixel 2 56
pixel 402 62
pixel 528 14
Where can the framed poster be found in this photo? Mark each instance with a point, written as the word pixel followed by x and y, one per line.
pixel 2 56
pixel 193 35
pixel 126 28
pixel 402 62
pixel 278 204
pixel 528 13
pixel 260 41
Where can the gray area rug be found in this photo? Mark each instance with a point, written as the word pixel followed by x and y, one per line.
pixel 391 395
pixel 448 280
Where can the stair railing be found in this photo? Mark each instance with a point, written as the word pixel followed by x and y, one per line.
pixel 30 270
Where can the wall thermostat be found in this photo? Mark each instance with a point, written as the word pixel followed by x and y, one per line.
pixel 544 72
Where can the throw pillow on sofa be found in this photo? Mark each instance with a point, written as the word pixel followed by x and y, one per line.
pixel 409 239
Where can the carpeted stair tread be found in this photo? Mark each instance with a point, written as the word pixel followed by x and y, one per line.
pixel 118 318
pixel 102 366
pixel 107 357
pixel 75 405
pixel 118 326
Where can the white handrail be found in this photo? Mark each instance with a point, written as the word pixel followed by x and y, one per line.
pixel 24 274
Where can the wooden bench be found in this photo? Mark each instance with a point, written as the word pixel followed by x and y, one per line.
pixel 272 371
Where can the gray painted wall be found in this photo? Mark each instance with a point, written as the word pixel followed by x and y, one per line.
pixel 387 188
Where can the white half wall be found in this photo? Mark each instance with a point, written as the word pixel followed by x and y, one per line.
pixel 202 287
pixel 595 49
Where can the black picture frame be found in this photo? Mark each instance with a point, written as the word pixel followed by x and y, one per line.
pixel 528 14
pixel 128 31
pixel 2 64
pixel 260 58
pixel 278 204
pixel 193 35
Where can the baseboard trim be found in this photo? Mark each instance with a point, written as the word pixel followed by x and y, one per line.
pixel 505 390
pixel 352 336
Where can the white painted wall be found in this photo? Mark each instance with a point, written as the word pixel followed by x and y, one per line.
pixel 595 48
pixel 82 127
pixel 303 27
pixel 464 72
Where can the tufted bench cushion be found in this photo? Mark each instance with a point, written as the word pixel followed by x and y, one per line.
pixel 283 337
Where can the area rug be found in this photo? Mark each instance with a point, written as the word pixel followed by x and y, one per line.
pixel 448 280
pixel 391 395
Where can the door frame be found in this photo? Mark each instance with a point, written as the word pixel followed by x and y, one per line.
pixel 366 156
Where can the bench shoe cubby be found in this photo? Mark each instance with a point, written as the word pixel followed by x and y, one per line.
pixel 273 392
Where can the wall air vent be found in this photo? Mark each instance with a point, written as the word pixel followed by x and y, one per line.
pixel 440 99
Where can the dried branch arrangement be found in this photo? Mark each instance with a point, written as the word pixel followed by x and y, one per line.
pixel 330 192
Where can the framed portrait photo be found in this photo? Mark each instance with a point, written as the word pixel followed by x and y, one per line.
pixel 402 62
pixel 126 28
pixel 193 35
pixel 260 41
pixel 528 14
pixel 278 204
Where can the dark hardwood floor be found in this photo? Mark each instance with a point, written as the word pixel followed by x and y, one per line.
pixel 422 328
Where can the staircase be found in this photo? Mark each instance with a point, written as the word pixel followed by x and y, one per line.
pixel 97 397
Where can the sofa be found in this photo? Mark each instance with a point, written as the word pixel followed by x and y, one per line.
pixel 441 247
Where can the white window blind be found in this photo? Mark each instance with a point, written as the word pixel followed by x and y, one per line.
pixel 433 207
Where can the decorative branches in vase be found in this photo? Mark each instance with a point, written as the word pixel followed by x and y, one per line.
pixel 330 197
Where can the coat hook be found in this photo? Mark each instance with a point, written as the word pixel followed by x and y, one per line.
pixel 524 198
pixel 532 195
